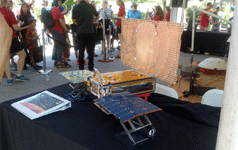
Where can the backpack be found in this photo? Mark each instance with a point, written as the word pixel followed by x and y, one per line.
pixel 47 19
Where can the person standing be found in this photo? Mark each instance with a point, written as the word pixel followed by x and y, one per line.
pixel 22 18
pixel 215 21
pixel 133 13
pixel 16 46
pixel 58 32
pixel 159 14
pixel 108 16
pixel 204 22
pixel 167 16
pixel 83 15
pixel 121 14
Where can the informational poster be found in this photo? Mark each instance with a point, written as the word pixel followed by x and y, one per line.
pixel 41 104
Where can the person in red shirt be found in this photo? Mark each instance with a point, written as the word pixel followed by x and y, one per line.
pixel 31 36
pixel 204 22
pixel 159 15
pixel 16 46
pixel 121 14
pixel 58 32
pixel 167 16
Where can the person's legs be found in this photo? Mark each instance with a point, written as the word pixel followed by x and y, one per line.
pixel 119 37
pixel 21 61
pixel 7 69
pixel 107 40
pixel 31 55
pixel 90 43
pixel 55 48
pixel 60 49
pixel 81 43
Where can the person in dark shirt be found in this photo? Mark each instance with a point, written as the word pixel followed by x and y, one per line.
pixel 83 15
pixel 215 21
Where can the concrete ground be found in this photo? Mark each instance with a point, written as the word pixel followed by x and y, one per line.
pixel 38 82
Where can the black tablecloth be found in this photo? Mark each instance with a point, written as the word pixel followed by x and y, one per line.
pixel 180 125
pixel 215 43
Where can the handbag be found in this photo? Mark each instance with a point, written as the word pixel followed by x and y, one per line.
pixel 99 32
pixel 38 53
pixel 107 24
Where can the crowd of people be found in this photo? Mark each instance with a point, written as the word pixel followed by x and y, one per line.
pixel 87 22
pixel 208 23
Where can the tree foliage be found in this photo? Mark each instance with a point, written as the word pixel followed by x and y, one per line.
pixel 68 4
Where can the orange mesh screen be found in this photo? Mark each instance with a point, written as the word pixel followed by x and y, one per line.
pixel 151 47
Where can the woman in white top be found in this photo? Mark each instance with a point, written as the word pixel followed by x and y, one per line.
pixel 108 15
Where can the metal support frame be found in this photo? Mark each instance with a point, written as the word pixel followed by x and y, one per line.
pixel 134 129
pixel 76 90
pixel 44 72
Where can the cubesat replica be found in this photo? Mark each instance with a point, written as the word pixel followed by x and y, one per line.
pixel 117 82
pixel 116 94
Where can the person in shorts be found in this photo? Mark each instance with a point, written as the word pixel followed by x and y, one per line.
pixel 16 46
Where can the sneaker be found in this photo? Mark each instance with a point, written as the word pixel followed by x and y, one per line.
pixel 95 55
pixel 110 58
pixel 77 62
pixel 10 81
pixel 21 78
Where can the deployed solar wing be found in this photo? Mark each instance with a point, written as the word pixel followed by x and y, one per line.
pixel 126 106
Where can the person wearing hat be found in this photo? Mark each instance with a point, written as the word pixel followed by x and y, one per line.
pixel 133 13
pixel 58 32
pixel 215 21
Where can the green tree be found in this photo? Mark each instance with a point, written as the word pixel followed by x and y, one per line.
pixel 68 4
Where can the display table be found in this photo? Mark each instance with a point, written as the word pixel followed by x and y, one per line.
pixel 180 125
pixel 214 43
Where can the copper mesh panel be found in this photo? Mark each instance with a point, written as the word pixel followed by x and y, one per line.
pixel 151 47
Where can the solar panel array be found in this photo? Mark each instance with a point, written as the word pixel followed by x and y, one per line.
pixel 126 106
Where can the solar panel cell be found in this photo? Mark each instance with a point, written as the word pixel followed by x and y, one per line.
pixel 126 105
